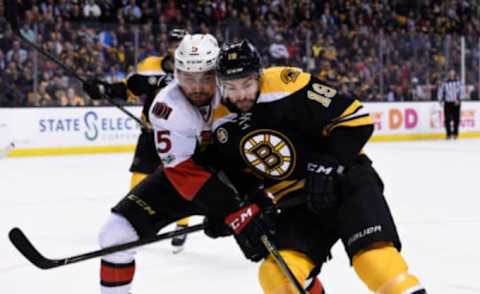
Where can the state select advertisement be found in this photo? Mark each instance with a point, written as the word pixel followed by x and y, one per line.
pixel 68 130
pixel 50 131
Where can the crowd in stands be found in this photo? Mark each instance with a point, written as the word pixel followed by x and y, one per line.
pixel 377 50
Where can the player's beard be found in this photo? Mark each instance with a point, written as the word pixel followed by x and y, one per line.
pixel 245 105
pixel 200 98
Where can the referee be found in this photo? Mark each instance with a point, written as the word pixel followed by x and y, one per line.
pixel 450 94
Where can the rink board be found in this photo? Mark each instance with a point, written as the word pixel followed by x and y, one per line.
pixel 77 130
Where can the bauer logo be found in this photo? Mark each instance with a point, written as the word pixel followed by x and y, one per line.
pixel 364 233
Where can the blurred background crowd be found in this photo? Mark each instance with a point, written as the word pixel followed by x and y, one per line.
pixel 377 50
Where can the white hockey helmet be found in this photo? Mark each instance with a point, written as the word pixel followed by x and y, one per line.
pixel 196 53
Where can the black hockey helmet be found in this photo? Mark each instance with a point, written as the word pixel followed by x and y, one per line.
pixel 176 35
pixel 237 60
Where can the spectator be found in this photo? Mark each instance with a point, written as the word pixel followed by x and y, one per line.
pixel 91 10
pixel 42 97
pixel 74 99
pixel 278 51
pixel 3 61
pixel 382 45
pixel 132 12
pixel 474 95
pixel 17 53
pixel 172 13
pixel 149 50
pixel 107 39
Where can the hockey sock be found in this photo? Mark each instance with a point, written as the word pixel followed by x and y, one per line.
pixel 116 278
pixel 384 271
pixel 117 269
pixel 274 281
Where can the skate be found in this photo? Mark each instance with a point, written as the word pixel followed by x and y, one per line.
pixel 178 242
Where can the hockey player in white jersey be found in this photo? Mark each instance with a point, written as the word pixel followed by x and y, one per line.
pixel 181 116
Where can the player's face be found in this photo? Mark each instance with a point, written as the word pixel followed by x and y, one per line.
pixel 241 92
pixel 198 87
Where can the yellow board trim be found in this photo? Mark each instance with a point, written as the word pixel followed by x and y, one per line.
pixel 412 137
pixel 21 152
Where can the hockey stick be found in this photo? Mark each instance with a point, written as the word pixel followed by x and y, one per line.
pixel 11 16
pixel 272 249
pixel 6 150
pixel 281 263
pixel 21 242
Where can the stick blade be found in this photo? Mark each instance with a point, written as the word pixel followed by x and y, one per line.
pixel 20 241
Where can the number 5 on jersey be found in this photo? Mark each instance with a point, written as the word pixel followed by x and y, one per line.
pixel 164 144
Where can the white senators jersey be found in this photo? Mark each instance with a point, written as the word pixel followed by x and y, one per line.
pixel 179 128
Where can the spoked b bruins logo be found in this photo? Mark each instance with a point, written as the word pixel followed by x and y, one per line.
pixel 289 75
pixel 269 152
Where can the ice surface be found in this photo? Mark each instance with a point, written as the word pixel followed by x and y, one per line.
pixel 60 203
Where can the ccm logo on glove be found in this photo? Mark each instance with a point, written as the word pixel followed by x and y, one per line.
pixel 239 219
pixel 321 169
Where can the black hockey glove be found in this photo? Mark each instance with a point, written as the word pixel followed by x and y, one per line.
pixel 248 224
pixel 96 89
pixel 215 227
pixel 261 198
pixel 361 176
pixel 323 174
pixel 148 85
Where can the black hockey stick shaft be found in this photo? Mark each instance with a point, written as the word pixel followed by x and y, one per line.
pixel 272 249
pixel 11 16
pixel 21 242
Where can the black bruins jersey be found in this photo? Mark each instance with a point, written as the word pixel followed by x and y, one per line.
pixel 296 116
pixel 152 75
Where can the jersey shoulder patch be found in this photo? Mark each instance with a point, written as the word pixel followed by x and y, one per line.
pixel 151 65
pixel 170 110
pixel 161 110
pixel 280 82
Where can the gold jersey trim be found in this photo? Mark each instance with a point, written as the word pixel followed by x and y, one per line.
pixel 279 82
pixel 354 116
pixel 284 188
pixel 150 66
pixel 221 115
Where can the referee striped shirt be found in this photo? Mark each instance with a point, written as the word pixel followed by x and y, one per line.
pixel 451 91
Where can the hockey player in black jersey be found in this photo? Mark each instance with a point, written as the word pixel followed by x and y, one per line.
pixel 152 74
pixel 302 140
